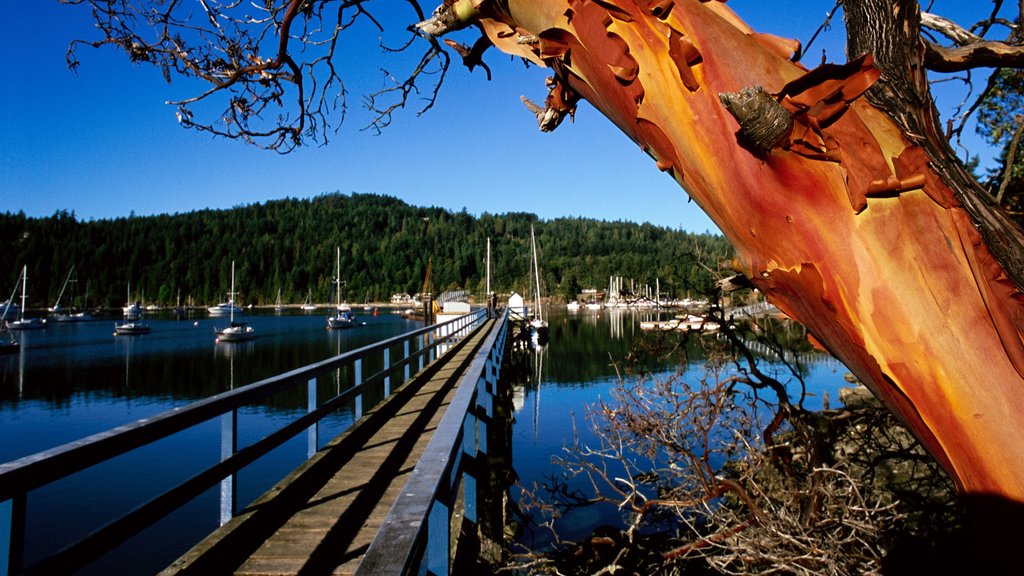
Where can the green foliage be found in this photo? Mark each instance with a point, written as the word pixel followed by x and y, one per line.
pixel 999 119
pixel 385 246
pixel 1003 108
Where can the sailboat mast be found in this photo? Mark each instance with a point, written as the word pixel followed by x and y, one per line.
pixel 24 282
pixel 488 266
pixel 231 295
pixel 536 275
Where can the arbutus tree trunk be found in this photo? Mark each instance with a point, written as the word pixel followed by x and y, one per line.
pixel 836 186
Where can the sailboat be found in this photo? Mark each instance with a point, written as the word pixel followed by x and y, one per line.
pixel 131 328
pixel 68 314
pixel 308 304
pixel 23 323
pixel 57 309
pixel 132 310
pixel 343 316
pixel 7 341
pixel 132 325
pixel 236 331
pixel 538 326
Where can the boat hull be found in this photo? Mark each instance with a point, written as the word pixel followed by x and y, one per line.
pixel 131 329
pixel 26 324
pixel 236 334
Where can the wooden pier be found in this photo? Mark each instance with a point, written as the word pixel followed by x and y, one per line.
pixel 322 517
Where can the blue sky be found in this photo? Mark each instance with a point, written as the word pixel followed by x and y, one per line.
pixel 104 144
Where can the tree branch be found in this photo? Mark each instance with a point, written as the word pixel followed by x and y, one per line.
pixel 975 55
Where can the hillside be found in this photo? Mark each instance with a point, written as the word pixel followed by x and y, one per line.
pixel 385 245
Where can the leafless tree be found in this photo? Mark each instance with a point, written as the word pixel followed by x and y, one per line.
pixel 727 474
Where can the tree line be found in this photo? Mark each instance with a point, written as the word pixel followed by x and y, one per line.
pixel 385 243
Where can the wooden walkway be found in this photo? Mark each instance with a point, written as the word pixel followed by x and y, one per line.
pixel 321 518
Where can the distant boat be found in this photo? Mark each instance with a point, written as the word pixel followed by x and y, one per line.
pixel 308 305
pixel 682 324
pixel 9 307
pixel 57 309
pixel 278 307
pixel 131 328
pixel 236 331
pixel 132 310
pixel 224 309
pixel 23 323
pixel 68 314
pixel 538 326
pixel 343 316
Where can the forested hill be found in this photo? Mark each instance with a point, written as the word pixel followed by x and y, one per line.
pixel 290 245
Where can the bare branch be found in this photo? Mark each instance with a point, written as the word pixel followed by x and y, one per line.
pixel 948 28
pixel 270 66
pixel 975 55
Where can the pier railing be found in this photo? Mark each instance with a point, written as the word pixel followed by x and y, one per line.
pixel 402 357
pixel 418 535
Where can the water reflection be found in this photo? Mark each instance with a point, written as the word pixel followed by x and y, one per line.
pixel 587 355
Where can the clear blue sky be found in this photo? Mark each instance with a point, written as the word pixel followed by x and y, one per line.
pixel 103 143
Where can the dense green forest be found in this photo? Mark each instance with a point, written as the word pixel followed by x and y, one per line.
pixel 385 246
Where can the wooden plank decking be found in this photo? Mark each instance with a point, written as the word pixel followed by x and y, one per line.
pixel 321 518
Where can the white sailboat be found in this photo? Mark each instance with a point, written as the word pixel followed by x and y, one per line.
pixel 23 323
pixel 7 341
pixel 538 326
pixel 278 307
pixel 343 316
pixel 308 304
pixel 57 308
pixel 236 331
pixel 70 313
pixel 132 310
pixel 132 325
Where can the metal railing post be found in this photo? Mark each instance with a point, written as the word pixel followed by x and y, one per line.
pixel 438 536
pixel 423 345
pixel 12 535
pixel 358 366
pixel 313 432
pixel 387 368
pixel 471 440
pixel 228 447
pixel 405 357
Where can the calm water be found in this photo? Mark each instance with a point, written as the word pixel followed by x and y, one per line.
pixel 73 380
pixel 575 370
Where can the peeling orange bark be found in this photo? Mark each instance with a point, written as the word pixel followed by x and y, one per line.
pixel 842 223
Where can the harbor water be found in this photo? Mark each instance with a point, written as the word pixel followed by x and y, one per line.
pixel 71 380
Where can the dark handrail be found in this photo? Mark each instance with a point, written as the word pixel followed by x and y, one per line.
pixel 398 547
pixel 18 477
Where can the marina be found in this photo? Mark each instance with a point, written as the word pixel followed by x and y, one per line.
pixel 73 380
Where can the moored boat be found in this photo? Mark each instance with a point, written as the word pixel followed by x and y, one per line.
pixel 132 310
pixel 23 323
pixel 224 309
pixel 682 324
pixel 343 316
pixel 131 328
pixel 236 331
pixel 308 305
pixel 538 326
